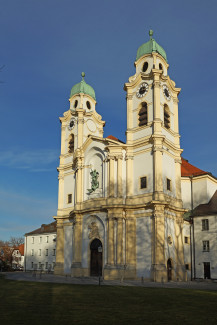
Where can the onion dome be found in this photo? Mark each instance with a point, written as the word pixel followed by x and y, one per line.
pixel 83 87
pixel 149 47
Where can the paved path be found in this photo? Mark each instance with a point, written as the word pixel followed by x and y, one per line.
pixel 22 276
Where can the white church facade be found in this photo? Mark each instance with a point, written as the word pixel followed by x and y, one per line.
pixel 121 205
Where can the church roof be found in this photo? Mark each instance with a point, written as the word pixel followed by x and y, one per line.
pixel 149 47
pixel 190 170
pixel 114 138
pixel 83 87
pixel 207 209
pixel 50 228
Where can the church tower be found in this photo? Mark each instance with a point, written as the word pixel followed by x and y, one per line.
pixel 119 206
pixel 154 148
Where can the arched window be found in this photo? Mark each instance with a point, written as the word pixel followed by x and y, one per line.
pixel 145 67
pixel 71 143
pixel 166 117
pixel 160 66
pixel 143 115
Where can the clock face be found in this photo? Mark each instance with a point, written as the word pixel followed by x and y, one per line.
pixel 166 92
pixel 142 91
pixel 71 124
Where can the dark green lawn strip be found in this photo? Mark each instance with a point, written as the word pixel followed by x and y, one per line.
pixel 47 303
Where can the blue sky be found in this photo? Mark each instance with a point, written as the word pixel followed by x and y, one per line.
pixel 45 45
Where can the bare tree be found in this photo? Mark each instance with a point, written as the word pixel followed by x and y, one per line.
pixel 16 241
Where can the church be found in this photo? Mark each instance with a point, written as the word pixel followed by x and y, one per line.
pixel 121 206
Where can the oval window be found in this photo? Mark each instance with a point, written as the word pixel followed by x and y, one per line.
pixel 75 103
pixel 145 67
pixel 88 105
pixel 160 66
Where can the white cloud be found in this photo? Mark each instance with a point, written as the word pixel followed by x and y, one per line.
pixel 29 159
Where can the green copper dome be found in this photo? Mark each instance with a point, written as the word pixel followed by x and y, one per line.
pixel 149 47
pixel 83 87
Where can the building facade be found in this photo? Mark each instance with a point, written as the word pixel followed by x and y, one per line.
pixel 40 248
pixel 120 206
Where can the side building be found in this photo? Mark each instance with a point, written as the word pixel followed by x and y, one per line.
pixel 40 248
pixel 204 224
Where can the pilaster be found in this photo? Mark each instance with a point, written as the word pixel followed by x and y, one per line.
pixel 159 272
pixel 77 245
pixel 59 266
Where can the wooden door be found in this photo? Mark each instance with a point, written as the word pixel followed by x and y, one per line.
pixel 96 258
pixel 206 270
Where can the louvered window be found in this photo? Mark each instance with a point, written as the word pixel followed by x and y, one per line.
pixel 166 117
pixel 143 115
pixel 71 143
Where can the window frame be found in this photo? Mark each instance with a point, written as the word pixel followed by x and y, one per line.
pixel 205 224
pixel 206 247
pixel 140 182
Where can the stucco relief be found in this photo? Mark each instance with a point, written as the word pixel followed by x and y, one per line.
pixel 93 230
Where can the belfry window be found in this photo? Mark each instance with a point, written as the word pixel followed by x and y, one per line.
pixel 145 67
pixel 166 117
pixel 143 115
pixel 71 143
pixel 160 66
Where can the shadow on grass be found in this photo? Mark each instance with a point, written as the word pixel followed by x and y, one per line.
pixel 43 303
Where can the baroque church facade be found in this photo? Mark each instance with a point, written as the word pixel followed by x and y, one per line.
pixel 120 205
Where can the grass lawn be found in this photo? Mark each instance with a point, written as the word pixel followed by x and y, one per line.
pixel 48 303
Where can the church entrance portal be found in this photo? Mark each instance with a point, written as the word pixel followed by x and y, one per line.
pixel 169 269
pixel 96 258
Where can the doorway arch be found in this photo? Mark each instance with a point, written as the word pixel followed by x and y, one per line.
pixel 169 269
pixel 96 257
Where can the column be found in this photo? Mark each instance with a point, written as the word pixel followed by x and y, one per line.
pixel 159 272
pixel 61 191
pixel 119 180
pixel 120 240
pixel 80 126
pixel 110 240
pixel 129 180
pixel 77 246
pixel 111 176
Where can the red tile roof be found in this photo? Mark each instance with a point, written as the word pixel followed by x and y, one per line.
pixel 114 138
pixel 190 170
pixel 21 249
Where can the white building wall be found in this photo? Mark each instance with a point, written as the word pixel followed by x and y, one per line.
pixel 143 247
pixel 37 245
pixel 205 235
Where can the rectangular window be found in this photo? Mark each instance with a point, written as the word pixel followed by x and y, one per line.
pixel 205 224
pixel 187 240
pixel 54 252
pixel 206 246
pixel 40 240
pixel 39 252
pixel 33 240
pixel 69 198
pixel 39 265
pixel 32 265
pixel 32 252
pixel 47 239
pixel 143 182
pixel 46 252
pixel 46 265
pixel 187 266
pixel 168 184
